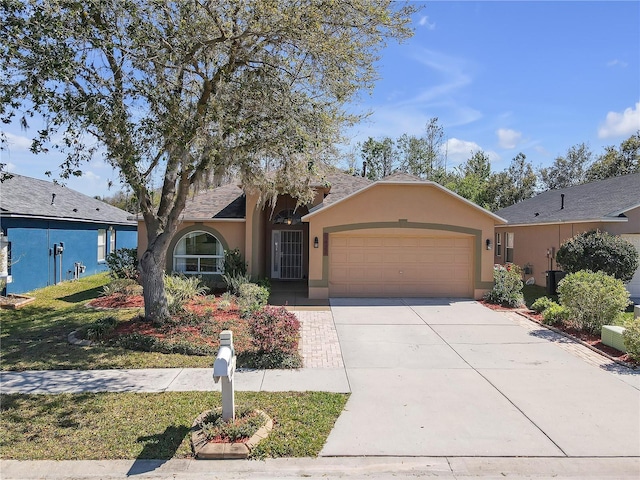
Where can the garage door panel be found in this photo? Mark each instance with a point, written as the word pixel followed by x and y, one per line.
pixel 369 265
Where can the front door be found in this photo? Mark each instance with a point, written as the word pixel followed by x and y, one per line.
pixel 286 254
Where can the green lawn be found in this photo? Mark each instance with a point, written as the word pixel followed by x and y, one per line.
pixel 35 336
pixel 154 425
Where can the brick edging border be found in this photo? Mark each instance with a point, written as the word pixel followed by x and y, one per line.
pixel 204 450
pixel 575 339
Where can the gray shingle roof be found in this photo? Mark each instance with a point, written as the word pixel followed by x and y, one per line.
pixel 342 185
pixel 28 197
pixel 226 201
pixel 402 177
pixel 591 201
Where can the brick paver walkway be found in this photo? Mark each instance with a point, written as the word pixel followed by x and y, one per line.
pixel 319 340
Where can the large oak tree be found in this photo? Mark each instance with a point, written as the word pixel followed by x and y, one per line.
pixel 178 92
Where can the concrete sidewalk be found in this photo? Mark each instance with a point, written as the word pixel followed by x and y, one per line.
pixel 171 379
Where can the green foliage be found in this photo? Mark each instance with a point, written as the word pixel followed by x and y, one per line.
pixel 567 171
pixel 275 330
pixel 631 337
pixel 121 286
pixel 234 264
pixel 188 92
pixel 555 314
pixel 599 251
pixel 180 289
pixel 247 423
pixel 150 343
pixel 592 299
pixel 617 161
pixel 541 304
pixel 234 282
pixel 507 286
pixel 98 330
pixel 251 297
pixel 123 263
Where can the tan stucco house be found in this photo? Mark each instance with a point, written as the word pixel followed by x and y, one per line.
pixel 397 237
pixel 538 226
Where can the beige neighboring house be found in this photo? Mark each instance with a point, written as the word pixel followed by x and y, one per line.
pixel 537 227
pixel 397 237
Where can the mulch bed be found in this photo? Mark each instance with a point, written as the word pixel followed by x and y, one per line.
pixel 590 339
pixel 196 325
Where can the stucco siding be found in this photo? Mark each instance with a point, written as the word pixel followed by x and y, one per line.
pixel 412 209
pixel 33 264
pixel 532 242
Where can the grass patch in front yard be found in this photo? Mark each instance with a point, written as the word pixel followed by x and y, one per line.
pixel 106 426
pixel 35 336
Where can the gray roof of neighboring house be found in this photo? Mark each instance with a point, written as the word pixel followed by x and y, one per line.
pixel 226 201
pixel 602 200
pixel 28 197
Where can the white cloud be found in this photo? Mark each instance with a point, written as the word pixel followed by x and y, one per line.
pixel 459 151
pixel 11 167
pixel 617 63
pixel 424 22
pixel 508 138
pixel 16 142
pixel 621 124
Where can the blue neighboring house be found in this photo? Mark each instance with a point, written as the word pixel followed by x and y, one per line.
pixel 50 233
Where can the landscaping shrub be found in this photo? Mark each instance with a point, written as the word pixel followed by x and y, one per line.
pixel 274 330
pixel 122 286
pixel 541 304
pixel 98 330
pixel 234 264
pixel 251 297
pixel 555 314
pixel 592 299
pixel 235 281
pixel 123 263
pixel 180 289
pixel 507 286
pixel 247 423
pixel 631 337
pixel 599 251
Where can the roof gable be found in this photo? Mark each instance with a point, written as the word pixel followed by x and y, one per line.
pixel 409 181
pixel 604 200
pixel 224 202
pixel 28 197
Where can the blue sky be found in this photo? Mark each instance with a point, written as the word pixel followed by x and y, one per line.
pixel 502 77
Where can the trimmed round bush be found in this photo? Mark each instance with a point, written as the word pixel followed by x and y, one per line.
pixel 631 337
pixel 593 299
pixel 555 314
pixel 541 304
pixel 274 330
pixel 599 252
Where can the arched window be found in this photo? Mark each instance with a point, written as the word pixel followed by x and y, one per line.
pixel 198 253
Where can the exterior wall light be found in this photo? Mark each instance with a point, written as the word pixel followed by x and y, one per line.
pixel 488 243
pixel 316 243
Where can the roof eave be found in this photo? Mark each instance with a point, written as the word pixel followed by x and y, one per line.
pixel 561 222
pixel 69 219
pixel 411 183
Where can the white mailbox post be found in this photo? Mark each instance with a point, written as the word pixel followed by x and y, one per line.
pixel 224 368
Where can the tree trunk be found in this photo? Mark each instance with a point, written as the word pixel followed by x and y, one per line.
pixel 151 267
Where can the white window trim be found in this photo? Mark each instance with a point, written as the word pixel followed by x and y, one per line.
pixel 219 258
pixel 102 245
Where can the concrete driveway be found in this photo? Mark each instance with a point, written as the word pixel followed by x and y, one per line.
pixel 445 377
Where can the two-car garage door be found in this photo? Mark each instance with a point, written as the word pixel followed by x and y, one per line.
pixel 369 265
